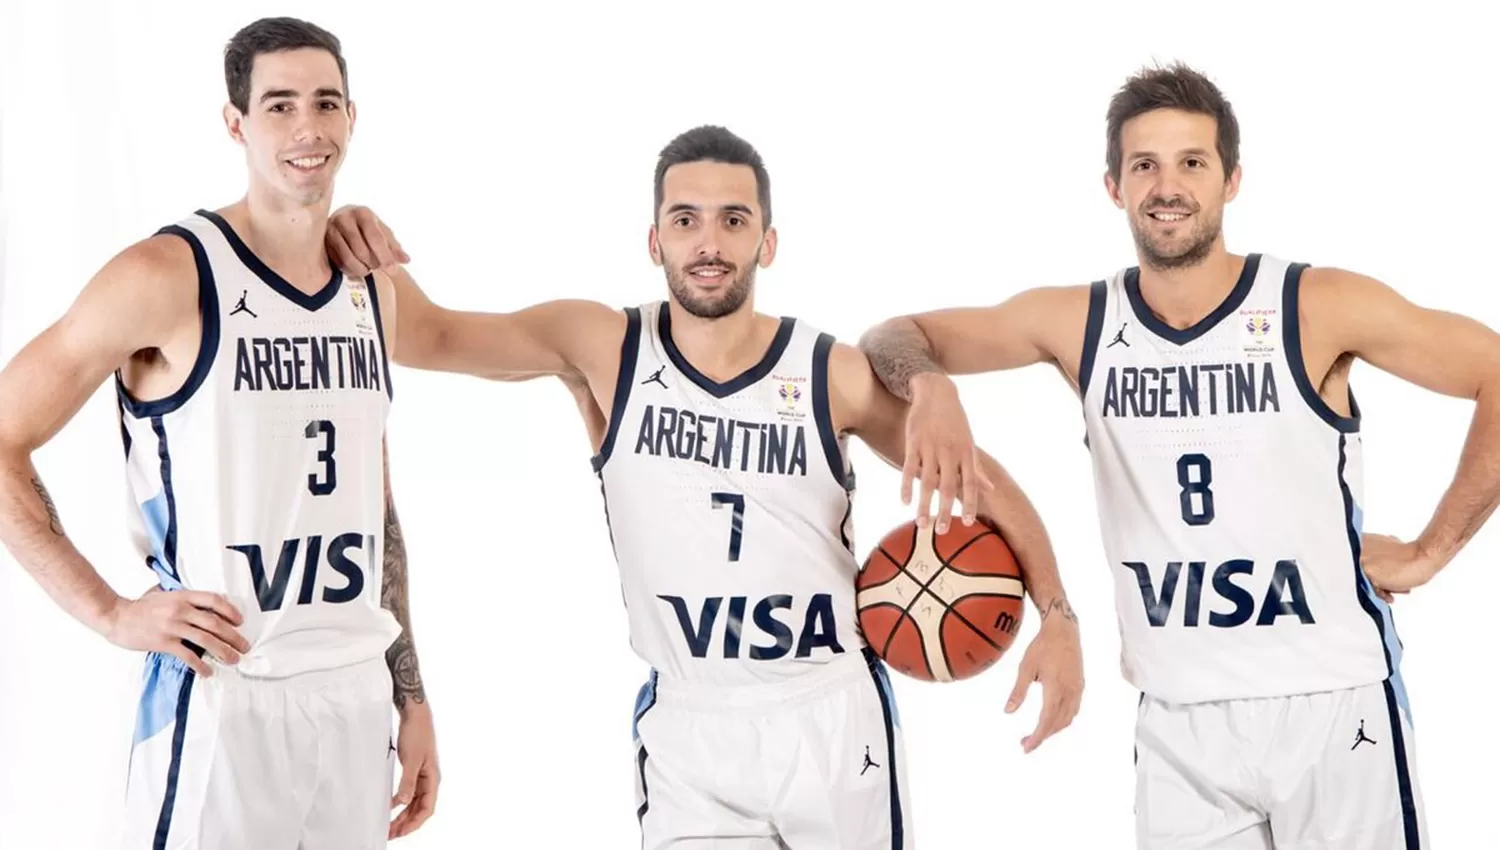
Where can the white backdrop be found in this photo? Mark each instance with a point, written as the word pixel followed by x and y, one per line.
pixel 918 159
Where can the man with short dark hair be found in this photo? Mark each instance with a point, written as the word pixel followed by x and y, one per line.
pixel 1227 463
pixel 719 437
pixel 253 389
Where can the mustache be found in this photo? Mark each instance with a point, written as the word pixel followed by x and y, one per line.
pixel 708 264
pixel 1168 205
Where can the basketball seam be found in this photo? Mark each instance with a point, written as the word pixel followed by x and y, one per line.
pixel 922 587
pixel 965 620
pixel 905 609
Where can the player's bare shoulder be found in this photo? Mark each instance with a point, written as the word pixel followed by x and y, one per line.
pixel 1056 319
pixel 161 273
pixel 1326 314
pixel 145 298
pixel 595 334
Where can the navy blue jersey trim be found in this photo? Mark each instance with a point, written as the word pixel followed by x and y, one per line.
pixel 208 339
pixel 1291 338
pixel 897 826
pixel 823 412
pixel 1144 315
pixel 727 388
pixel 385 361
pixel 644 702
pixel 124 430
pixel 1403 771
pixel 255 264
pixel 1355 547
pixel 1098 294
pixel 174 768
pixel 629 349
pixel 169 544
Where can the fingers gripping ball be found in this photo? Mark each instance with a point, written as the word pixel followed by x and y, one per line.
pixel 941 607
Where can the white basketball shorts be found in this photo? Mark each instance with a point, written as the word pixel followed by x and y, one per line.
pixel 812 764
pixel 1323 771
pixel 236 763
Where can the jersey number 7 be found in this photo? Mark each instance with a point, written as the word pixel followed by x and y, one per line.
pixel 736 521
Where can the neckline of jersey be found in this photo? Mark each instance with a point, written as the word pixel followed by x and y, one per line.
pixel 739 382
pixel 311 302
pixel 1183 336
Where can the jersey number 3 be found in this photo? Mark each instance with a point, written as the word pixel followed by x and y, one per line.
pixel 1195 473
pixel 328 475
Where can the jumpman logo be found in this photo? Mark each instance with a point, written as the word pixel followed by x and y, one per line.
pixel 868 762
pixel 241 308
pixel 1360 738
pixel 392 745
pixel 656 376
pixel 1120 338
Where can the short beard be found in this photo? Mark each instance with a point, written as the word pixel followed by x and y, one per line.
pixel 729 302
pixel 1205 234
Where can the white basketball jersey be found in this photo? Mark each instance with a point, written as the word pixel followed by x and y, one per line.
pixel 262 477
pixel 728 508
pixel 1229 496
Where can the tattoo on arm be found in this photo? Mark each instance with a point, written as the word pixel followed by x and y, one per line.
pixel 899 351
pixel 41 490
pixel 1059 605
pixel 406 676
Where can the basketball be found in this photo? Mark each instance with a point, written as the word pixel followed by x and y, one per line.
pixel 941 607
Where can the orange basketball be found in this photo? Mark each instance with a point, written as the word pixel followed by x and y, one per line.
pixel 941 607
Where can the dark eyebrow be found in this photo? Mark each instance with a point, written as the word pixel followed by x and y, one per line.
pixel 735 208
pixel 272 94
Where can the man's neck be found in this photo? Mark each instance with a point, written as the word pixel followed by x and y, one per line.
pixel 1183 297
pixel 724 347
pixel 287 237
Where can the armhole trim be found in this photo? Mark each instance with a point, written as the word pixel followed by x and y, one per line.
pixel 629 349
pixel 208 341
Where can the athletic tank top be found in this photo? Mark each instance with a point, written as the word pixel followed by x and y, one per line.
pixel 729 507
pixel 262 477
pixel 1229 496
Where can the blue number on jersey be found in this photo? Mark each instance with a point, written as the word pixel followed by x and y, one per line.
pixel 736 522
pixel 325 454
pixel 1201 513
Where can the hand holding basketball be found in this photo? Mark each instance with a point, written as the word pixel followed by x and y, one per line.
pixel 940 606
pixel 940 451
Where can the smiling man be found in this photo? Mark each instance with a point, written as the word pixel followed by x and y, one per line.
pixel 719 436
pixel 1227 462
pixel 253 392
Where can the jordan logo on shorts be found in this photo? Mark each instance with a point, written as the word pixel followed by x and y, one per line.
pixel 656 377
pixel 1360 738
pixel 868 763
pixel 1119 338
pixel 241 308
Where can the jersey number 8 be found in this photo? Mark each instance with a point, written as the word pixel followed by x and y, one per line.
pixel 1195 473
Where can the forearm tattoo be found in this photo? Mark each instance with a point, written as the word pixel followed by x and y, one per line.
pixel 52 519
pixel 406 676
pixel 1059 605
pixel 898 351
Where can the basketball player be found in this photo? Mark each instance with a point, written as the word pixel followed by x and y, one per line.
pixel 719 437
pixel 253 389
pixel 1227 461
